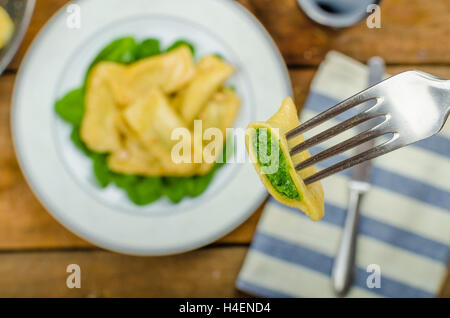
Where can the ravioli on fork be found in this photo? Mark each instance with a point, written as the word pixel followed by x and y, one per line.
pixel 269 151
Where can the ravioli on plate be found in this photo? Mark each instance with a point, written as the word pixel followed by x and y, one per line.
pixel 135 101
pixel 6 27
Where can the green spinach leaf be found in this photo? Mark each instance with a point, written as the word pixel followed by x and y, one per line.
pixel 76 139
pixel 145 191
pixel 147 48
pixel 179 43
pixel 71 107
pixel 101 171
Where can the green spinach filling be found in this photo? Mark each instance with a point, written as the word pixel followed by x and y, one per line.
pixel 280 180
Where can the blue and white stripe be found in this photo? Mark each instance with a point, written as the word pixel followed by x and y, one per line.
pixel 405 218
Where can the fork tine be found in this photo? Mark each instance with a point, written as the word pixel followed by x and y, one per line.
pixel 341 147
pixel 353 101
pixel 333 131
pixel 388 146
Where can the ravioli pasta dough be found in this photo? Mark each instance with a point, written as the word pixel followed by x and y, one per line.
pixel 219 112
pixel 211 73
pixel 6 27
pixel 131 111
pixel 284 183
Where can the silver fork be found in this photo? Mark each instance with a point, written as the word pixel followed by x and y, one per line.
pixel 413 106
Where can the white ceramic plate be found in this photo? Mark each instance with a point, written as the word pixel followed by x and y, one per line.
pixel 61 176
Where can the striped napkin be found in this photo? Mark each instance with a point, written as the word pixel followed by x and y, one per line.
pixel 405 217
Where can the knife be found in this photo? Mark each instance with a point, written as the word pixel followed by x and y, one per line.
pixel 343 267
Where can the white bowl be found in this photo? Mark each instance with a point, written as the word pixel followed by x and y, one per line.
pixel 20 12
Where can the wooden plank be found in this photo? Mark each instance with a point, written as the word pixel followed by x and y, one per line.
pixel 445 288
pixel 209 272
pixel 413 32
pixel 24 223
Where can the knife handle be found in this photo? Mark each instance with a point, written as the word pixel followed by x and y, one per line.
pixel 342 272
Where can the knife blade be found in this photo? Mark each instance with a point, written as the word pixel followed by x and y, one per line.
pixel 361 172
pixel 342 272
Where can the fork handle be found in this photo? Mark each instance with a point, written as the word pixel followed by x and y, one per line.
pixel 342 272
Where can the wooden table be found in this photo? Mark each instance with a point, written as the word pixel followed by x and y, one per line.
pixel 35 249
